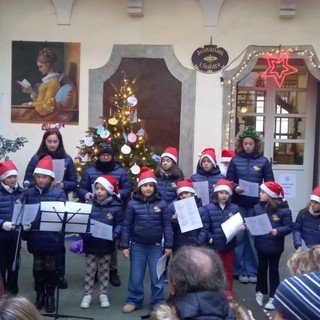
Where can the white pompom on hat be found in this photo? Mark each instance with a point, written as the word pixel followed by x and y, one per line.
pixel 109 183
pixel 7 169
pixel 146 175
pixel 315 195
pixel 45 166
pixel 171 153
pixel 223 185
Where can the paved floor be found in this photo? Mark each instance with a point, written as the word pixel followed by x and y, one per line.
pixel 70 298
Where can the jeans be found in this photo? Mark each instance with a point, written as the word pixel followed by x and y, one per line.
pixel 245 255
pixel 140 256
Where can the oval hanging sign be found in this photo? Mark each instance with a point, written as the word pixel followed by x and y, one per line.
pixel 209 58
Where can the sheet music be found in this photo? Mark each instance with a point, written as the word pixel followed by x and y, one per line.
pixel 188 214
pixel 258 225
pixel 101 230
pixel 161 265
pixel 202 190
pixel 58 168
pixel 24 215
pixel 232 226
pixel 251 189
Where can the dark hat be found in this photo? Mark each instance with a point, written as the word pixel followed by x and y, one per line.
pixel 105 148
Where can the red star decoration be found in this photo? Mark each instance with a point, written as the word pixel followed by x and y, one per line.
pixel 278 68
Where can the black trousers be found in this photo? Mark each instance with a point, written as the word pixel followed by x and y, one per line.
pixel 265 262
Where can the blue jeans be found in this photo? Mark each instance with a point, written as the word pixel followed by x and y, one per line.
pixel 245 255
pixel 140 256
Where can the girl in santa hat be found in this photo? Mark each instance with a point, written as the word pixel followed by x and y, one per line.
pixel 146 226
pixel 270 246
pixel 168 174
pixel 10 194
pixel 208 171
pixel 307 225
pixel 219 211
pixel 44 245
pixel 106 209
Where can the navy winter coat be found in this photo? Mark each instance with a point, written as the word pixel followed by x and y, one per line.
pixel 196 237
pixel 203 305
pixel 217 216
pixel 70 174
pixel 7 201
pixel 280 220
pixel 211 176
pixel 167 188
pixel 306 227
pixel 91 174
pixel 146 222
pixel 109 213
pixel 48 242
pixel 250 167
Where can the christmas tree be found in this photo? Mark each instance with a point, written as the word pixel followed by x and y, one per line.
pixel 124 131
pixel 7 146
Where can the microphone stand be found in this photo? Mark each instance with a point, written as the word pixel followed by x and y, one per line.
pixel 16 260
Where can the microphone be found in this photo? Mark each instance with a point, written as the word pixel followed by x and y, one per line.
pixel 26 184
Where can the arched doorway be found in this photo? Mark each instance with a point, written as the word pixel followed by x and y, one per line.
pixel 281 106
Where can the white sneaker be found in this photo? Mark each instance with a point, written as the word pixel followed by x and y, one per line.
pixel 270 305
pixel 104 301
pixel 259 298
pixel 86 300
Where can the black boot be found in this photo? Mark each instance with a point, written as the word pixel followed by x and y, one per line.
pixel 51 282
pixel 114 278
pixel 39 286
pixel 50 304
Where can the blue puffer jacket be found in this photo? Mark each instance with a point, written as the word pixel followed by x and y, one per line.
pixel 48 242
pixel 146 222
pixel 167 188
pixel 91 174
pixel 109 213
pixel 203 305
pixel 7 201
pixel 211 176
pixel 194 237
pixel 306 227
pixel 280 220
pixel 70 174
pixel 217 216
pixel 249 167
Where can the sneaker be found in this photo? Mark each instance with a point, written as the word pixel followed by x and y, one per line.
pixel 230 295
pixel 270 305
pixel 259 298
pixel 104 301
pixel 243 279
pixel 252 279
pixel 128 308
pixel 85 303
pixel 114 278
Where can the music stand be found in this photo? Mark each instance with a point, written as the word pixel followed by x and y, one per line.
pixel 69 217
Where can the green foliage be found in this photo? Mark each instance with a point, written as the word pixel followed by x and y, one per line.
pixel 7 146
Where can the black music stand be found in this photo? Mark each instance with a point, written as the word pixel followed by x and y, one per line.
pixel 69 217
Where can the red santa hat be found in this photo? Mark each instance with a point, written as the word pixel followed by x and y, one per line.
pixel 146 176
pixel 315 195
pixel 185 186
pixel 273 189
pixel 223 184
pixel 211 154
pixel 109 183
pixel 227 155
pixel 45 166
pixel 7 169
pixel 171 153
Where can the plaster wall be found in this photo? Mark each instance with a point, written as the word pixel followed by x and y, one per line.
pixel 100 24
